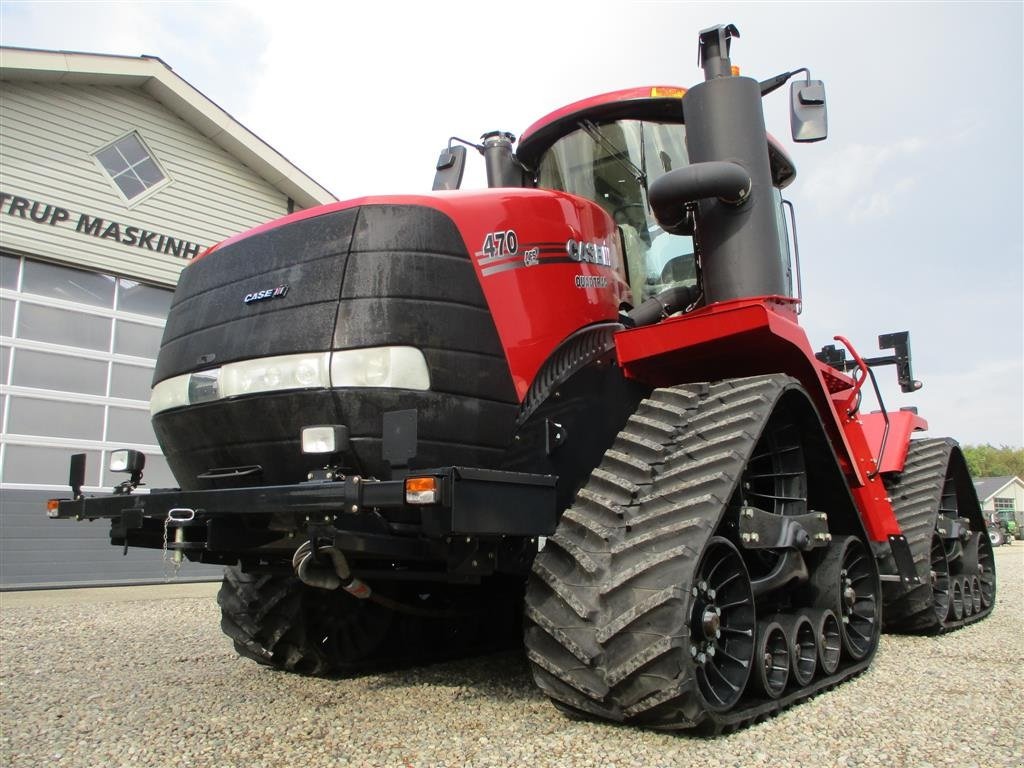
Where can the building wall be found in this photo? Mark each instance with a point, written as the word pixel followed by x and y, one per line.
pixel 49 136
pixel 82 308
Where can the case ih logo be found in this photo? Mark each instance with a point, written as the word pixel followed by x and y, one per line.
pixel 269 293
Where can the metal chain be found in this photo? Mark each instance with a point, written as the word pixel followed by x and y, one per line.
pixel 172 565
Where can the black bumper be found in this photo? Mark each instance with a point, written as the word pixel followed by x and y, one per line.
pixel 485 521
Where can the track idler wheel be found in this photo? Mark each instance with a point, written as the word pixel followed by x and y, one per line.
pixel 829 637
pixel 845 582
pixel 722 623
pixel 771 660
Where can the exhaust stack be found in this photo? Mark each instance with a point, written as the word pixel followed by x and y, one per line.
pixel 737 229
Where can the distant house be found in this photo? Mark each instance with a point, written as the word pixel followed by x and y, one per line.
pixel 1002 495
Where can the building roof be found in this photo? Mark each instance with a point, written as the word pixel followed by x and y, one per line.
pixel 155 78
pixel 987 487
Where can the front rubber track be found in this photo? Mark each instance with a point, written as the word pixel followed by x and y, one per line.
pixel 608 600
pixel 916 495
pixel 279 622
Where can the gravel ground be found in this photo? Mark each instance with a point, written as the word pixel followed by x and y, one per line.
pixel 152 682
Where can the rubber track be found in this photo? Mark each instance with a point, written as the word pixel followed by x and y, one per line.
pixel 263 615
pixel 608 599
pixel 916 494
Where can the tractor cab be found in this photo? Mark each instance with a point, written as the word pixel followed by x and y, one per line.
pixel 609 149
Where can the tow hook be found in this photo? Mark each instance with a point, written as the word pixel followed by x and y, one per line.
pixel 311 568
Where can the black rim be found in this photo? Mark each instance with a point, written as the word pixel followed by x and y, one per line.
pixel 939 578
pixel 859 601
pixel 721 625
pixel 968 596
pixel 775 480
pixel 976 592
pixel 805 650
pixel 830 643
pixel 772 659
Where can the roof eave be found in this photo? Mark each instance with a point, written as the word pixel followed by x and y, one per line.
pixel 158 80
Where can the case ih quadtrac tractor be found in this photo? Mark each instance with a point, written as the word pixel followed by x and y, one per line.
pixel 580 401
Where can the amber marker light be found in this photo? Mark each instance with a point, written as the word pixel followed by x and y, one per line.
pixel 421 490
pixel 52 505
pixel 661 92
pixel 735 71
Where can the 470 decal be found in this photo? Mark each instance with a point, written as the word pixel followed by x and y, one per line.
pixel 499 244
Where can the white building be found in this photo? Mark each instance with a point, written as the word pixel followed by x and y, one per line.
pixel 114 173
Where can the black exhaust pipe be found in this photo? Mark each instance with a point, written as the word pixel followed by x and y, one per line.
pixel 729 180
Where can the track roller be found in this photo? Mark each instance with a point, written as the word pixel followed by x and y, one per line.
pixel 976 593
pixel 956 598
pixel 968 588
pixel 829 637
pixel 939 577
pixel 771 660
pixel 803 646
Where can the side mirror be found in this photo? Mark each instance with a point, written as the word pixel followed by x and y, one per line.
pixel 451 164
pixel 808 117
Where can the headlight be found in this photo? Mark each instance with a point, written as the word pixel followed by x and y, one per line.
pixel 272 374
pixel 170 393
pixel 398 367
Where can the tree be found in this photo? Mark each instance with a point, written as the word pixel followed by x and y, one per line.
pixel 989 461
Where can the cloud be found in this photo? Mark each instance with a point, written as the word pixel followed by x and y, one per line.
pixel 982 405
pixel 855 181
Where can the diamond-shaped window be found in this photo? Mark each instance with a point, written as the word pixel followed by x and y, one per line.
pixel 131 166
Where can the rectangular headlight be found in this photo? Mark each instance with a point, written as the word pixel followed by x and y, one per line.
pixel 170 393
pixel 330 438
pixel 397 367
pixel 273 374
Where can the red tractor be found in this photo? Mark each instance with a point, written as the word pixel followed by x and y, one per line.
pixel 392 416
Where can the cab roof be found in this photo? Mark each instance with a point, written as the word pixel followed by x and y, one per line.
pixel 662 103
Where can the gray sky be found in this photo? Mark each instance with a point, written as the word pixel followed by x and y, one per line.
pixel 909 216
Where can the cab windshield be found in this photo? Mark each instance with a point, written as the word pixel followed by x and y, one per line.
pixel 613 164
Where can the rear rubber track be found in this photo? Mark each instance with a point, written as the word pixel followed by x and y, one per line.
pixel 917 499
pixel 608 602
